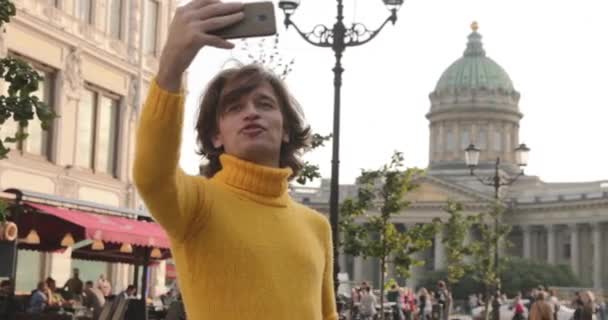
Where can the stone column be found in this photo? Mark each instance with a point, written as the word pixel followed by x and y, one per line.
pixel 574 263
pixel 597 255
pixel 550 244
pixel 439 251
pixel 527 241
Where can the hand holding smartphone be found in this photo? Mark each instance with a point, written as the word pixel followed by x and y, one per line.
pixel 259 21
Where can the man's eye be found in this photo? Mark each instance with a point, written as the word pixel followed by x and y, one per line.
pixel 233 108
pixel 267 105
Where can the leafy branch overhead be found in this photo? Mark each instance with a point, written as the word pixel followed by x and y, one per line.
pixel 366 221
pixel 19 104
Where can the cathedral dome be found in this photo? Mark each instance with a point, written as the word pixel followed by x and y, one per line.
pixel 474 70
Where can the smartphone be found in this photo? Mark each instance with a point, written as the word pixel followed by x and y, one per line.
pixel 259 21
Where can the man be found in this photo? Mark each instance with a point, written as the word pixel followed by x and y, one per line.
pixel 74 285
pixel 39 299
pixel 94 299
pixel 444 300
pixel 129 293
pixel 237 224
pixel 554 302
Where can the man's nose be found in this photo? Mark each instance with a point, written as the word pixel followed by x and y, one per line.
pixel 251 112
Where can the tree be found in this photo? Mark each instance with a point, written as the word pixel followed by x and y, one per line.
pixel 455 234
pixel 19 104
pixel 366 223
pixel 269 55
pixel 492 234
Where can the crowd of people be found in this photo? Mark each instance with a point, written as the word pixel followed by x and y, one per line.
pixel 544 304
pixel 402 303
pixel 74 295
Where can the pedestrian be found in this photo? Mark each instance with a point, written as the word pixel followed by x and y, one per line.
pixel 424 304
pixel 238 212
pixel 540 309
pixel 588 305
pixel 394 295
pixel 518 309
pixel 367 309
pixel 554 302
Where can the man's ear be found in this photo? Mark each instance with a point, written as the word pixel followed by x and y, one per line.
pixel 286 137
pixel 217 141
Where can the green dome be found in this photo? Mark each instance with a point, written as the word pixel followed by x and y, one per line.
pixel 474 70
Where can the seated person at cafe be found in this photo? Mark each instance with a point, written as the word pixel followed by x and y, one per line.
pixel 39 299
pixel 55 299
pixel 93 299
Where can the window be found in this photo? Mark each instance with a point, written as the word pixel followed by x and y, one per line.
pixel 451 140
pixel 29 266
pixel 90 270
pixel 84 10
pixel 567 251
pixel 482 137
pixel 116 19
pixel 97 131
pixel 465 140
pixel 497 141
pixel 38 141
pixel 151 30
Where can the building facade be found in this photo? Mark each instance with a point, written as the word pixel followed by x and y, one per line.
pixel 97 58
pixel 475 102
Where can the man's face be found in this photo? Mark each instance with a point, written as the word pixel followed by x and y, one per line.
pixel 251 126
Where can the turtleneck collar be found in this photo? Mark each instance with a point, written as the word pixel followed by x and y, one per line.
pixel 265 184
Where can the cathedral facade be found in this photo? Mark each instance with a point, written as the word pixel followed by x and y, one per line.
pixel 475 102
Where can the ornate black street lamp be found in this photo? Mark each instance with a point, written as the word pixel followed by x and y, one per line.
pixel 338 38
pixel 496 181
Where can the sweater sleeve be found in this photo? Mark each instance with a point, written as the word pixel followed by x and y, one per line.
pixel 173 197
pixel 328 296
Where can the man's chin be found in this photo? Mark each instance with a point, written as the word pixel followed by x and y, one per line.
pixel 260 155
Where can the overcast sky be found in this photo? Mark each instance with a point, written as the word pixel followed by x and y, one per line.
pixel 555 51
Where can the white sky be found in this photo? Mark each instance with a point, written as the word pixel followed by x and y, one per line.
pixel 555 51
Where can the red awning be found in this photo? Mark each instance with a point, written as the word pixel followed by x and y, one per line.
pixel 110 229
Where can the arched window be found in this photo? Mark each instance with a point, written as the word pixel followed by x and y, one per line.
pixel 465 139
pixel 482 139
pixel 497 143
pixel 451 140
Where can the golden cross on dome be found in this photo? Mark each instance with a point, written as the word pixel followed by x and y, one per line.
pixel 474 26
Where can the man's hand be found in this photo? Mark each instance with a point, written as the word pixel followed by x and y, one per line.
pixel 189 32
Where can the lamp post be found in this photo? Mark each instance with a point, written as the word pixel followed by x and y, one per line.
pixel 496 181
pixel 338 38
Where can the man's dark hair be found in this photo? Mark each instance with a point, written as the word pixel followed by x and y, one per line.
pixel 245 79
pixel 130 287
pixel 367 289
pixel 89 283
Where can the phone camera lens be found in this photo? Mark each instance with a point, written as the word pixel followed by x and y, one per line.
pixel 262 17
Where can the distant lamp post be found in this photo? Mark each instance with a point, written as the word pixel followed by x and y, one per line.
pixel 338 38
pixel 471 156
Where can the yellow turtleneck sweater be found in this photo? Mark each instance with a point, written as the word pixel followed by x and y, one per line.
pixel 242 247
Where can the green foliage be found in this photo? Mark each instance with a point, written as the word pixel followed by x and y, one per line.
pixel 310 171
pixel 522 274
pixel 365 222
pixel 20 104
pixel 455 234
pixel 7 10
pixel 519 275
